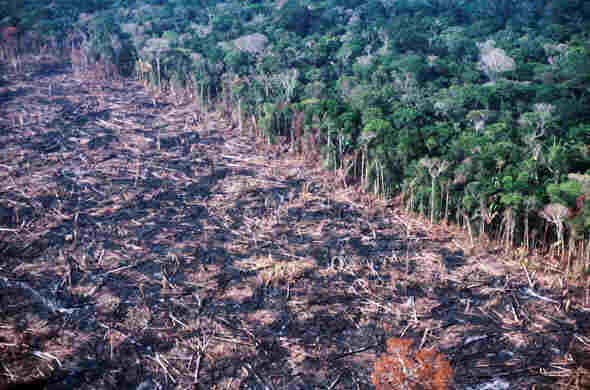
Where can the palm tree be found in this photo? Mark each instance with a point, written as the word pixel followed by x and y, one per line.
pixel 435 168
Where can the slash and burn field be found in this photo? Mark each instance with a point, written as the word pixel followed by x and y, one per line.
pixel 143 243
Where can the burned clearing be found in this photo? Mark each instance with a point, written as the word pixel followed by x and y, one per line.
pixel 142 246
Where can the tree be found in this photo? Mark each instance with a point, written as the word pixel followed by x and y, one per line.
pixel 555 214
pixel 435 168
pixel 8 42
pixel 288 82
pixel 538 120
pixel 494 61
pixel 154 50
pixel 478 118
pixel 531 203
pixel 556 158
pixel 295 17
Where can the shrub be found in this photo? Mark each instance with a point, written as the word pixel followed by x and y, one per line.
pixel 404 368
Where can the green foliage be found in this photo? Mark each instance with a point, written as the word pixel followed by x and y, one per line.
pixel 564 193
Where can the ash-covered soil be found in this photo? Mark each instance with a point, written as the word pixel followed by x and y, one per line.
pixel 146 245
